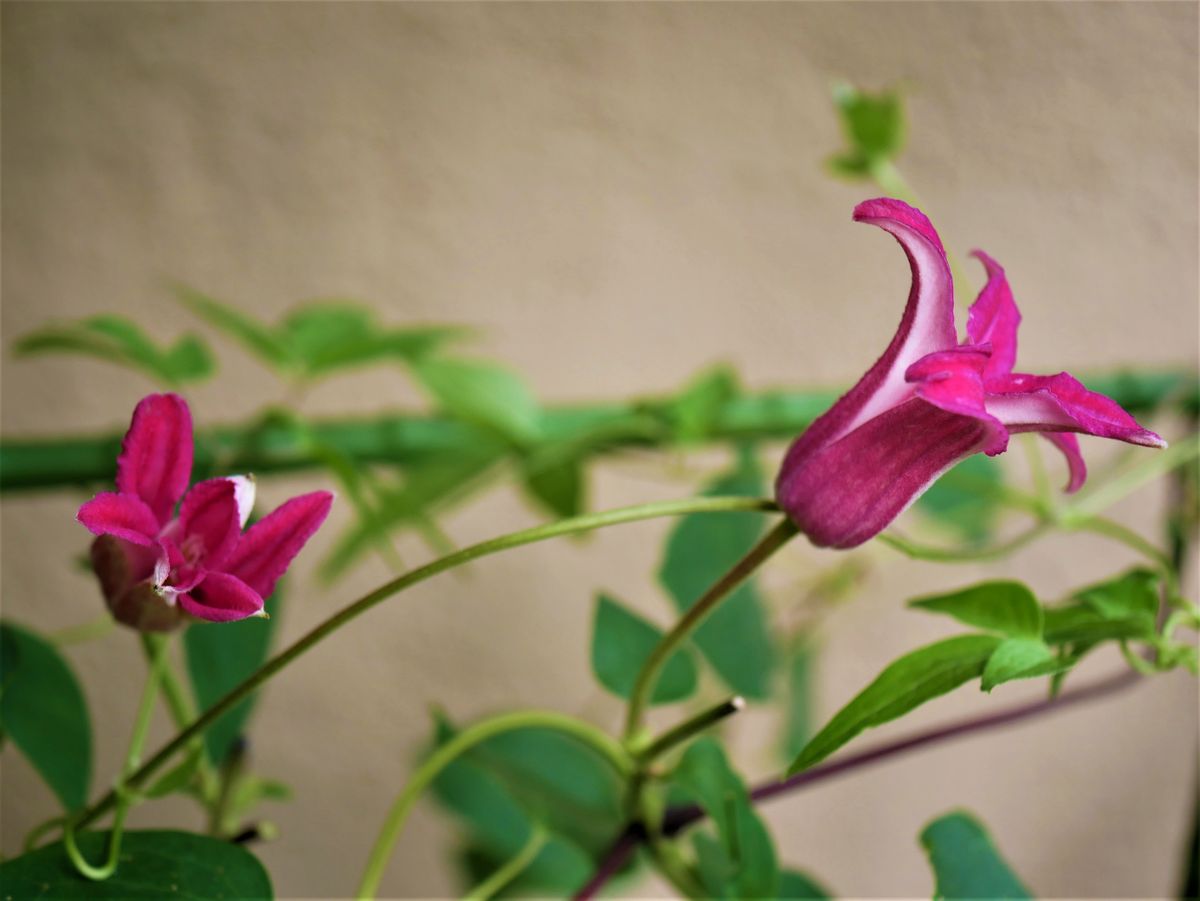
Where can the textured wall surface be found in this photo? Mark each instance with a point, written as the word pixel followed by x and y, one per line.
pixel 617 195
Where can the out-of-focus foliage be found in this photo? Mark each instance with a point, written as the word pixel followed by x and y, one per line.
pixel 116 339
pixel 965 862
pixel 621 642
pixel 43 712
pixel 874 127
pixel 156 864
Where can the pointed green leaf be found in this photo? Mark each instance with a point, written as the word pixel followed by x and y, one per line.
pixel 1006 607
pixel 965 862
pixel 700 549
pixel 1133 596
pixel 43 712
pixel 257 337
pixel 621 642
pixel 915 678
pixel 704 773
pixel 558 486
pixel 482 393
pixel 1020 658
pixel 116 339
pixel 155 864
pixel 219 656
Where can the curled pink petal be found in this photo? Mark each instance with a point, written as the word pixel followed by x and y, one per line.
pixel 221 598
pixel 1076 468
pixel 953 381
pixel 209 522
pixel 269 546
pixel 994 318
pixel 156 456
pixel 122 515
pixel 853 488
pixel 926 326
pixel 1060 403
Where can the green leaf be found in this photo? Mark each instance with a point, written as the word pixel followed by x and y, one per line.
pixel 873 122
pixel 795 885
pixel 966 500
pixel 116 339
pixel 219 656
pixel 260 339
pixel 698 409
pixel 155 864
pixel 799 704
pixel 1133 596
pixel 43 712
pixel 735 638
pixel 910 681
pixel 1006 607
pixel 1020 658
pixel 503 786
pixel 965 862
pixel 558 486
pixel 621 642
pixel 704 773
pixel 482 393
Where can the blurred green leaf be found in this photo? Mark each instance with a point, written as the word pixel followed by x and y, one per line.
pixel 483 393
pixel 965 862
pixel 155 864
pixel 326 336
pixel 43 712
pixel 910 681
pixel 621 642
pixel 1020 658
pixel 1006 607
pixel 501 788
pixel 874 127
pixel 426 487
pixel 116 339
pixel 795 885
pixel 697 410
pixel 966 500
pixel 219 656
pixel 798 713
pixel 700 549
pixel 748 867
pixel 260 339
pixel 557 486
pixel 1133 595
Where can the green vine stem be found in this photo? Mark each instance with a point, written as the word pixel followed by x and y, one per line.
pixel 585 732
pixel 575 525
pixel 738 573
pixel 676 735
pixel 157 646
pixel 512 869
pixel 399 439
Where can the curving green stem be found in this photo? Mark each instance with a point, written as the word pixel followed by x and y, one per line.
pixel 593 737
pixel 157 647
pixel 322 630
pixel 512 869
pixel 738 573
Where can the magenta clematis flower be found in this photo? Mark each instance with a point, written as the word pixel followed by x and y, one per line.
pixel 928 402
pixel 156 567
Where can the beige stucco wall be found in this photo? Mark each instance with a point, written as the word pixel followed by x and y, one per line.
pixel 618 195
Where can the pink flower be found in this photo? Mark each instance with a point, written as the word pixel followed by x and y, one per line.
pixel 155 566
pixel 928 402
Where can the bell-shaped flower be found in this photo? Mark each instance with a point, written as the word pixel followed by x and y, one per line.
pixel 156 567
pixel 929 402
